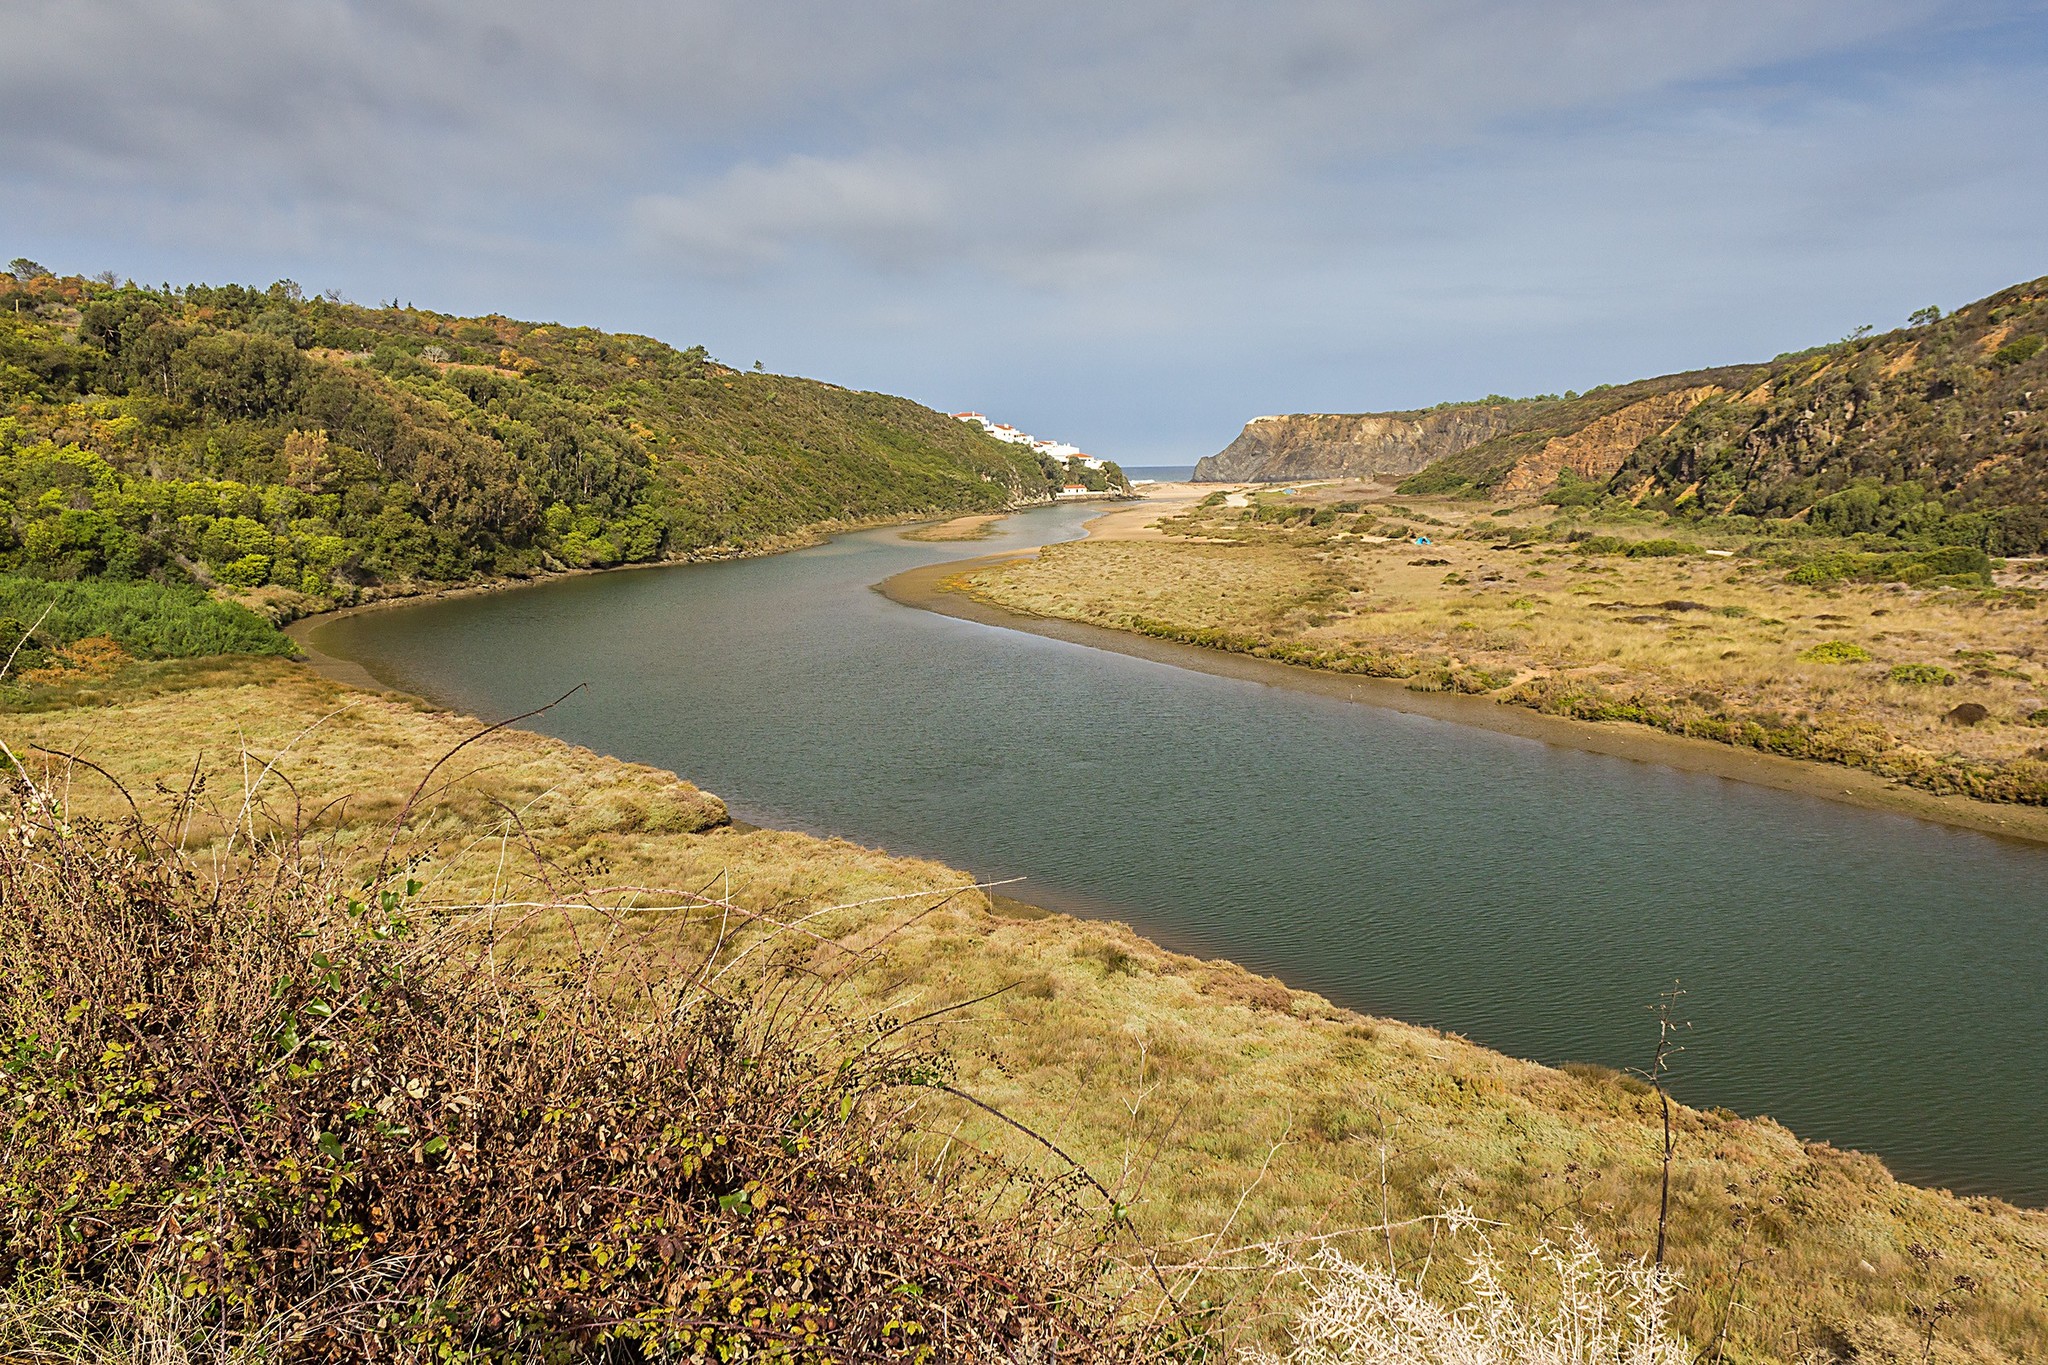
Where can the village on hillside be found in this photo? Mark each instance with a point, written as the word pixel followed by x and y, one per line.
pixel 1108 480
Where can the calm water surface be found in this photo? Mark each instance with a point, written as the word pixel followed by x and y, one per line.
pixel 1871 980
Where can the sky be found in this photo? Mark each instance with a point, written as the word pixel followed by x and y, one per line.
pixel 1131 226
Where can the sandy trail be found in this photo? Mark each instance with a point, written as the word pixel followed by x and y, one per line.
pixel 1135 521
pixel 974 526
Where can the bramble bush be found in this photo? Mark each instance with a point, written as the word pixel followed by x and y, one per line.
pixel 249 1117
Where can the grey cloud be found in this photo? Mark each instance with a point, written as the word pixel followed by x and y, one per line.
pixel 1111 212
pixel 885 211
pixel 385 104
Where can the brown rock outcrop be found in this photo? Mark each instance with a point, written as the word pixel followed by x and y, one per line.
pixel 1600 448
pixel 1350 445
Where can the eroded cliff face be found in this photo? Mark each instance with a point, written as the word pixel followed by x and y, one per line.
pixel 1351 446
pixel 1598 449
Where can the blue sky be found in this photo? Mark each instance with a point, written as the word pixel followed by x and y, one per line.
pixel 1131 226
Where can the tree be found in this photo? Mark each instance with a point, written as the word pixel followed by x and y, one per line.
pixel 24 269
pixel 1923 317
pixel 305 460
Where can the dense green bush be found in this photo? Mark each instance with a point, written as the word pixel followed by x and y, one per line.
pixel 1655 548
pixel 1923 675
pixel 1835 652
pixel 1947 565
pixel 150 620
pixel 2017 351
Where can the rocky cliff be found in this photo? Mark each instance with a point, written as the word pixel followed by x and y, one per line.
pixel 1360 445
pixel 1596 450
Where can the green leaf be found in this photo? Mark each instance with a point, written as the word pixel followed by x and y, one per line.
pixel 331 1145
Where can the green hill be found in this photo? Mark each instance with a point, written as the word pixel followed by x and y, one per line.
pixel 1936 432
pixel 260 440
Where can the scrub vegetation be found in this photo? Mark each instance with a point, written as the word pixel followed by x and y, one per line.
pixel 1230 1127
pixel 1927 666
pixel 304 452
pixel 1935 434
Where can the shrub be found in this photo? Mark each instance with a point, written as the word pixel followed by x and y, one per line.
pixel 2018 351
pixel 1662 548
pixel 151 620
pixel 1573 491
pixel 1835 652
pixel 1587 1313
pixel 1946 565
pixel 1923 675
pixel 325 1130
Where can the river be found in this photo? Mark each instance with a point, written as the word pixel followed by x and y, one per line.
pixel 1869 979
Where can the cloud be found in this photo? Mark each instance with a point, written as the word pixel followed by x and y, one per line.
pixel 430 107
pixel 1144 216
pixel 883 211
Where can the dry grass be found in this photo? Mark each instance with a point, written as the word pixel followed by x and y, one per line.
pixel 1697 644
pixel 1225 1109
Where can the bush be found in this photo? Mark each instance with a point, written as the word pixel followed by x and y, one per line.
pixel 150 620
pixel 1573 491
pixel 2016 352
pixel 1588 1313
pixel 323 1130
pixel 1922 675
pixel 1946 565
pixel 1835 652
pixel 1662 548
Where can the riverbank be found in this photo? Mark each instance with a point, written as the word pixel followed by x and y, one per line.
pixel 1262 596
pixel 1225 1098
pixel 302 629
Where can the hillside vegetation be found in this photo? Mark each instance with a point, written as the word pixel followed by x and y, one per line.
pixel 1221 1111
pixel 308 451
pixel 1935 432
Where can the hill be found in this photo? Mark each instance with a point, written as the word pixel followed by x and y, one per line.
pixel 1935 431
pixel 1486 437
pixel 295 448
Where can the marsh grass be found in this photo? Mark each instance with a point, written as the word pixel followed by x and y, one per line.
pixel 259 1108
pixel 1715 646
pixel 1225 1112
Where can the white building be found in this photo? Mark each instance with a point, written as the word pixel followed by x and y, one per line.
pixel 1003 431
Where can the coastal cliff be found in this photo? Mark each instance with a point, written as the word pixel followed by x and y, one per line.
pixel 1359 445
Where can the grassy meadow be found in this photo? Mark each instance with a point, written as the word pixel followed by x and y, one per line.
pixel 1805 648
pixel 1232 1117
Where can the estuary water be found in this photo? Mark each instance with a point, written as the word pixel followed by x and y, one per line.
pixel 1870 980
